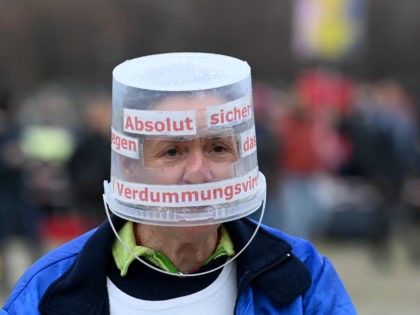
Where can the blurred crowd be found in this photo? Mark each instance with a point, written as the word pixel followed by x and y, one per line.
pixel 341 158
pixel 54 156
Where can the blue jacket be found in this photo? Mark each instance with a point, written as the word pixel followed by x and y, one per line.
pixel 277 274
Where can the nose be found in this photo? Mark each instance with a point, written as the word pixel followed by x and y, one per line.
pixel 197 169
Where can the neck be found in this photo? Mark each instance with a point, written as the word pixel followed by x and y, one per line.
pixel 187 247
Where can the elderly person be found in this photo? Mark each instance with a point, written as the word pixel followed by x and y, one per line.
pixel 184 176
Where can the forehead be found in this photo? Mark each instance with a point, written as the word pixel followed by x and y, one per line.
pixel 198 103
pixel 191 102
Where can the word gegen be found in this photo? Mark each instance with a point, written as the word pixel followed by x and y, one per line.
pixel 124 145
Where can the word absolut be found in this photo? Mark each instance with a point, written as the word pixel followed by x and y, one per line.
pixel 159 122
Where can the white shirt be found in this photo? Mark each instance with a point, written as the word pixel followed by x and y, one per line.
pixel 218 298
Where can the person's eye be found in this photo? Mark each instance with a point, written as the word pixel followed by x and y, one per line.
pixel 162 153
pixel 222 151
pixel 219 149
pixel 172 152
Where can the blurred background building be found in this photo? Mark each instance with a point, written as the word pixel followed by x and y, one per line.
pixel 336 96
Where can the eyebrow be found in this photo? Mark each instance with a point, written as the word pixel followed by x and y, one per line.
pixel 171 138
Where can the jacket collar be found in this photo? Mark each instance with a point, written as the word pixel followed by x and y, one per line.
pixel 82 288
pixel 267 264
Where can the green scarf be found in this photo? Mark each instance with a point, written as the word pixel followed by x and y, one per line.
pixel 123 258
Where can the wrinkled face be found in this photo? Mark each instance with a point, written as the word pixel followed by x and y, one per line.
pixel 188 161
pixel 196 161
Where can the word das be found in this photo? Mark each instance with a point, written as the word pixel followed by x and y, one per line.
pixel 124 145
pixel 159 122
pixel 248 142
